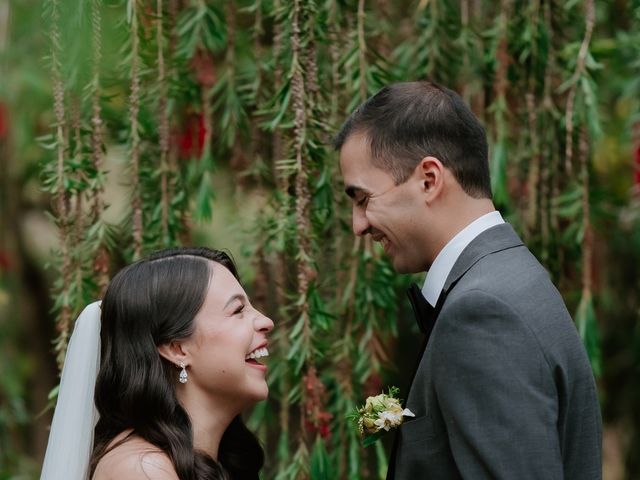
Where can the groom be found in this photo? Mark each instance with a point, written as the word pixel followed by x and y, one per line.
pixel 504 388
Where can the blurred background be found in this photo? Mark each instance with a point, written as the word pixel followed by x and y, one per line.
pixel 126 126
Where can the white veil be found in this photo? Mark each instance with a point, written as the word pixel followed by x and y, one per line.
pixel 71 436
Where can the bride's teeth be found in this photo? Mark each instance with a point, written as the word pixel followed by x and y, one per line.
pixel 262 352
pixel 258 353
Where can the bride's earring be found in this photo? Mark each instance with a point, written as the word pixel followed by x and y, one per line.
pixel 183 373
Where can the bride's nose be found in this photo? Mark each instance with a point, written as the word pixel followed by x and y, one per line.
pixel 263 323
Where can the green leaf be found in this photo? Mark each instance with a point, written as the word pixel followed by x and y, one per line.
pixel 373 438
pixel 204 198
pixel 381 459
pixel 499 174
pixel 589 332
pixel 320 468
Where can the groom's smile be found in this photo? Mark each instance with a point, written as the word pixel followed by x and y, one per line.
pixel 383 240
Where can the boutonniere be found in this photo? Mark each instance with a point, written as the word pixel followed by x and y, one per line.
pixel 379 415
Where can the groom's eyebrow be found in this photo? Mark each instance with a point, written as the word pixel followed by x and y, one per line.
pixel 237 296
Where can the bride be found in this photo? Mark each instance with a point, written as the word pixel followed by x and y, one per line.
pixel 178 344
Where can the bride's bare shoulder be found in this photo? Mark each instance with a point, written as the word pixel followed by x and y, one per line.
pixel 135 459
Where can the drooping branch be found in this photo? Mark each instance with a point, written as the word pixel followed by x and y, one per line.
pixel 533 181
pixel 464 22
pixel 585 316
pixel 172 163
pixel 546 189
pixel 134 136
pixel 277 151
pixel 207 125
pixel 301 187
pixel 101 259
pixel 230 59
pixel 362 51
pixel 553 169
pixel 500 109
pixel 163 124
pixel 258 52
pixel 311 68
pixel 502 52
pixel 281 178
pixel 590 20
pixel 61 201
pixel 587 239
pixel 235 126
pixel 96 110
pixel 334 54
pixel 76 217
pixel 534 169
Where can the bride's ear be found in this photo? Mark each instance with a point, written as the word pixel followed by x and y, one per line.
pixel 173 352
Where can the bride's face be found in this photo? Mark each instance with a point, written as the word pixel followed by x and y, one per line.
pixel 228 331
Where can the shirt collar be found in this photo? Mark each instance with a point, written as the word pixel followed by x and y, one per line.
pixel 442 265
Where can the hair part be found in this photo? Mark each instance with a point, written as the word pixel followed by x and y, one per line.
pixel 406 122
pixel 150 303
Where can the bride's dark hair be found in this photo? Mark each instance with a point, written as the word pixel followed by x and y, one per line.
pixel 150 303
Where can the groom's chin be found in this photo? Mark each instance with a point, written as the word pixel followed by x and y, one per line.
pixel 405 267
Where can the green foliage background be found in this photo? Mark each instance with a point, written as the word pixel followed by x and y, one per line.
pixel 218 117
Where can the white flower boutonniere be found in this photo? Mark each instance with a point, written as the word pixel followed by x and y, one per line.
pixel 378 415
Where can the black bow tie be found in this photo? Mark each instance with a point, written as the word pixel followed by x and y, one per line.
pixel 425 314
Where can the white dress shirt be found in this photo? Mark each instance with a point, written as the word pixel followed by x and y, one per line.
pixel 442 265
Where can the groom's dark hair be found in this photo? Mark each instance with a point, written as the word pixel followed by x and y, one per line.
pixel 147 304
pixel 405 122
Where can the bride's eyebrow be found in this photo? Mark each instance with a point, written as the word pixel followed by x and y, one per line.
pixel 237 296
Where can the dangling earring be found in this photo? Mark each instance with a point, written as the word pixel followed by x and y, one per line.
pixel 183 373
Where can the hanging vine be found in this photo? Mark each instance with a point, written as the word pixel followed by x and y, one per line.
pixel 576 81
pixel 98 232
pixel 163 126
pixel 301 342
pixel 62 197
pixel 589 127
pixel 533 178
pixel 134 134
pixel 585 316
pixel 500 108
pixel 546 130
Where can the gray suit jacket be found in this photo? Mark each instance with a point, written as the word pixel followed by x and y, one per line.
pixel 504 389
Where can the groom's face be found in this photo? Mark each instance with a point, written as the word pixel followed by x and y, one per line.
pixel 381 208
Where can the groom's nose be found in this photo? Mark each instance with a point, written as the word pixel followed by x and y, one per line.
pixel 361 225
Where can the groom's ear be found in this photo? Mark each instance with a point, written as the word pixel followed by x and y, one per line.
pixel 173 352
pixel 430 173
